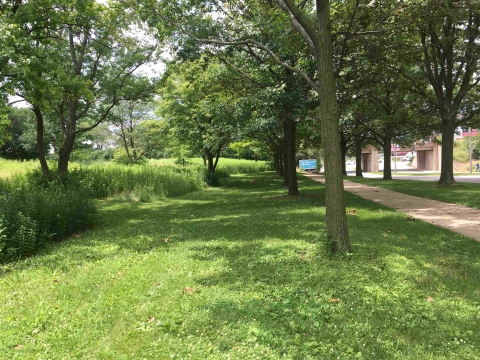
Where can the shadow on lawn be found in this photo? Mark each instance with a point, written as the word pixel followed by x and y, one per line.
pixel 278 281
pixel 384 301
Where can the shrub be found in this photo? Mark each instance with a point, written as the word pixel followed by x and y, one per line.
pixel 31 216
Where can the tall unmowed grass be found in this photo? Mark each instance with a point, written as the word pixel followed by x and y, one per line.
pixel 34 210
pixel 226 167
pixel 9 168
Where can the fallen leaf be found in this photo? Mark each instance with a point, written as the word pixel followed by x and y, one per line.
pixel 189 290
pixel 353 212
pixel 165 240
pixel 119 274
pixel 18 347
pixel 334 300
pixel 156 284
pixel 430 299
pixel 150 319
pixel 55 281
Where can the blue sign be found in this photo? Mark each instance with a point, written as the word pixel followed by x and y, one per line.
pixel 310 164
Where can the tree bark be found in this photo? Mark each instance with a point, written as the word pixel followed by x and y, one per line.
pixel 448 134
pixel 285 160
pixel 209 156
pixel 358 156
pixel 343 148
pixel 289 130
pixel 40 148
pixel 275 162
pixel 336 218
pixel 387 156
pixel 280 163
pixel 64 153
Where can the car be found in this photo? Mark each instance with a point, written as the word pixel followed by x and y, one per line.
pixel 350 162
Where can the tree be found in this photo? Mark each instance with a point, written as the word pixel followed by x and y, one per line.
pixel 316 33
pixel 447 34
pixel 199 103
pixel 132 126
pixel 21 145
pixel 5 134
pixel 82 57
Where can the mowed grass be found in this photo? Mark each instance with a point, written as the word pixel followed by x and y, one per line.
pixel 241 272
pixel 467 194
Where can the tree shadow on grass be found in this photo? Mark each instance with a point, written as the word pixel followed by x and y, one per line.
pixel 275 282
pixel 389 290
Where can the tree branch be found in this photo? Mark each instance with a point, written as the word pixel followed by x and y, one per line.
pixel 245 42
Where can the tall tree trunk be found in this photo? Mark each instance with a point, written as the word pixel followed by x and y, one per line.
pixel 289 130
pixel 285 161
pixel 210 166
pixel 358 156
pixel 280 162
pixel 64 153
pixel 387 156
pixel 217 156
pixel 40 148
pixel 275 162
pixel 343 149
pixel 336 218
pixel 448 134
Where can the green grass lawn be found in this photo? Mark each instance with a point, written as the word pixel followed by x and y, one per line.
pixel 463 193
pixel 241 272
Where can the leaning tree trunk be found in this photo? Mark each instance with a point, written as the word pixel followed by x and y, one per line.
pixel 387 156
pixel 40 148
pixel 448 134
pixel 358 156
pixel 336 218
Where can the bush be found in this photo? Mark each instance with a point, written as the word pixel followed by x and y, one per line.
pixel 31 216
pixel 460 151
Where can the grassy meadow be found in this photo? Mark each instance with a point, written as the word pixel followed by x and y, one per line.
pixel 242 272
pixel 9 168
pixel 467 194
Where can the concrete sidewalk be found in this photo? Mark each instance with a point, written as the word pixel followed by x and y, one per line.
pixel 461 219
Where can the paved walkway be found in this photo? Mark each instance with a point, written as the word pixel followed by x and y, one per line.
pixel 461 219
pixel 474 179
